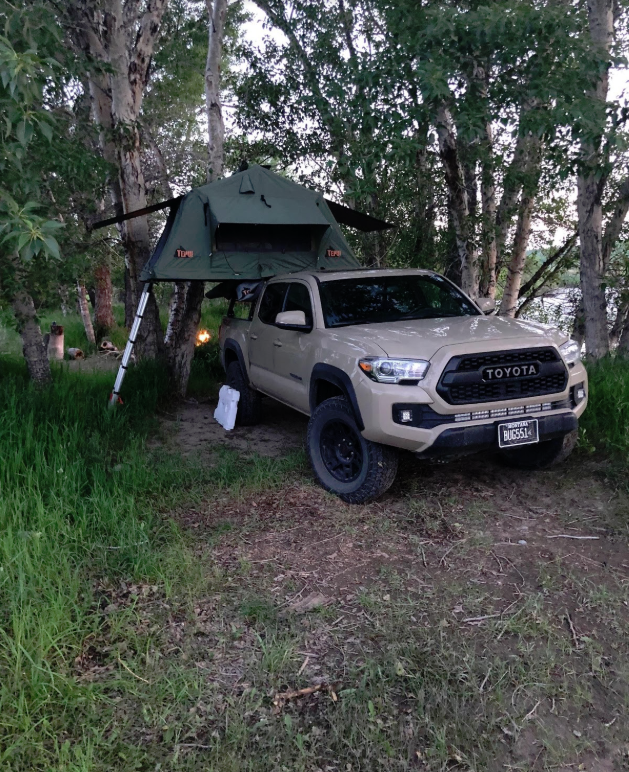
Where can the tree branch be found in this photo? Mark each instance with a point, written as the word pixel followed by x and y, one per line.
pixel 550 261
pixel 614 225
pixel 140 59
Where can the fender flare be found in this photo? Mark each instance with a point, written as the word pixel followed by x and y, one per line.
pixel 336 376
pixel 233 345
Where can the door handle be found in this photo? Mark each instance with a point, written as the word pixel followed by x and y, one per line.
pixel 253 337
pixel 277 343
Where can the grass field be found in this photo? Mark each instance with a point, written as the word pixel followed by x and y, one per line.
pixel 150 611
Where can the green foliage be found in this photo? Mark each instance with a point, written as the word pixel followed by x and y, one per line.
pixel 45 161
pixel 605 423
pixel 80 511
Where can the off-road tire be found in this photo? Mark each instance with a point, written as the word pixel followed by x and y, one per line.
pixel 250 403
pixel 376 464
pixel 542 455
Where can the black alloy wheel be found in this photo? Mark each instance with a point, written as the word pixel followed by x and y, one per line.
pixel 341 451
pixel 343 461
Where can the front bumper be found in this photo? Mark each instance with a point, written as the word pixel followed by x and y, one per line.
pixel 472 439
pixel 437 427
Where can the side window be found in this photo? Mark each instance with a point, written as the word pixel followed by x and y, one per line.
pixel 298 299
pixel 272 302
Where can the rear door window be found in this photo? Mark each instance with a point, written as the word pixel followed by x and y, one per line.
pixel 298 299
pixel 272 302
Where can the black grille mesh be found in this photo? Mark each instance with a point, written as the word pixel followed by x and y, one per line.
pixel 490 392
pixel 462 382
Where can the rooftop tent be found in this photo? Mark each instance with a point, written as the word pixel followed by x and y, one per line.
pixel 252 225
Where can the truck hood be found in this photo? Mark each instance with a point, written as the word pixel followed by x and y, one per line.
pixel 422 338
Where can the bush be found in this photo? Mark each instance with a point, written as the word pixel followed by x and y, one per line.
pixel 605 423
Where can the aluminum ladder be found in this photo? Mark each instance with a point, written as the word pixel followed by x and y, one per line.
pixel 144 299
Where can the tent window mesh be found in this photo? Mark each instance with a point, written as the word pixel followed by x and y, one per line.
pixel 242 237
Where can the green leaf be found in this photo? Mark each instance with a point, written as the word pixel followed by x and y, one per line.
pixel 51 246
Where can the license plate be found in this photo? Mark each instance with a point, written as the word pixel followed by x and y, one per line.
pixel 518 433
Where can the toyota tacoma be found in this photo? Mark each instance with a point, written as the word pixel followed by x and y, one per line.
pixel 388 360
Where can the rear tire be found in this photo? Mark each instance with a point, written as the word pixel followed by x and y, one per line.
pixel 250 403
pixel 344 462
pixel 542 455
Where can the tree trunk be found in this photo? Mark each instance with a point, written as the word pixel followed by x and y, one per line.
pixel 590 213
pixel 509 303
pixel 32 340
pixel 186 304
pixel 84 310
pixel 104 320
pixel 578 325
pixel 488 206
pixel 123 38
pixel 623 343
pixel 589 193
pixel 620 323
pixel 216 127
pixel 181 350
pixel 176 312
pixel 458 202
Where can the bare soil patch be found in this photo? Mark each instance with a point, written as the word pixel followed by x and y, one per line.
pixel 493 603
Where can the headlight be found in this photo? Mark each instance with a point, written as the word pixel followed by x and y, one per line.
pixel 570 351
pixel 394 370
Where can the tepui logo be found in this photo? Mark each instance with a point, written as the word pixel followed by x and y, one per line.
pixel 181 252
pixel 333 253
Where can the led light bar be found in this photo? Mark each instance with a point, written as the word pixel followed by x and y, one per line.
pixel 503 412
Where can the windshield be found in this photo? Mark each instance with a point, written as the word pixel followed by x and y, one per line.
pixel 367 300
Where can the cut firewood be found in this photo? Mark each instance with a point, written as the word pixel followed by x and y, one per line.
pixel 54 342
pixel 75 353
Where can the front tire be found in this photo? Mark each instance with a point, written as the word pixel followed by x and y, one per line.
pixel 542 455
pixel 250 403
pixel 344 462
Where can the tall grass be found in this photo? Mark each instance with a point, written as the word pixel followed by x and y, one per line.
pixel 80 501
pixel 605 423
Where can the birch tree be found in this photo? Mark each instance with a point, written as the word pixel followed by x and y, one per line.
pixel 186 306
pixel 118 41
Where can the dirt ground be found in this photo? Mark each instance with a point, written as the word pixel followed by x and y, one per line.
pixel 518 580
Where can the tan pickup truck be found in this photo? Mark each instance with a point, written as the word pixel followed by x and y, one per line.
pixel 383 360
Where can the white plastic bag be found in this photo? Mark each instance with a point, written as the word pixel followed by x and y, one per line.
pixel 227 407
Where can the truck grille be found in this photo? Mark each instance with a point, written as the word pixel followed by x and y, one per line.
pixel 462 380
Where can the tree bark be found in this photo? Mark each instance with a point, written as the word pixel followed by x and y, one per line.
pixel 589 193
pixel 122 39
pixel 187 300
pixel 181 350
pixel 104 320
pixel 623 343
pixel 488 206
pixel 509 303
pixel 216 128
pixel 530 175
pixel 84 310
pixel 458 201
pixel 621 323
pixel 32 339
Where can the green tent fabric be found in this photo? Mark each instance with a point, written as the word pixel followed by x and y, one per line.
pixel 252 225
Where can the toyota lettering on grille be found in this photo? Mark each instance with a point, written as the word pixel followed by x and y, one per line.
pixel 503 372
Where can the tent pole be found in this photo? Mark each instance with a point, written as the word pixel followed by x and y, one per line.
pixel 144 297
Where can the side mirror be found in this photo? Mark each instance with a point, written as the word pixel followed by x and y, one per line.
pixel 486 305
pixel 292 320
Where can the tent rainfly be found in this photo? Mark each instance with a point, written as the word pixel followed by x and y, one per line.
pixel 250 226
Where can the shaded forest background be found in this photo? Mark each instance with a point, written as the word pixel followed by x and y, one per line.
pixel 486 132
